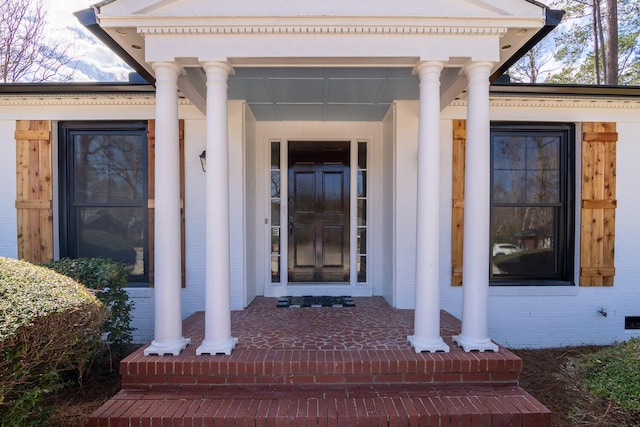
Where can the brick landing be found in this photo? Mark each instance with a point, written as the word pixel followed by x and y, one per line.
pixel 322 366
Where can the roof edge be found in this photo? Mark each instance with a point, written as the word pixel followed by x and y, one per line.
pixel 553 17
pixel 88 19
pixel 75 88
pixel 576 90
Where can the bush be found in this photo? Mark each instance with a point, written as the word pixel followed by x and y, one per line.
pixel 48 324
pixel 614 373
pixel 108 280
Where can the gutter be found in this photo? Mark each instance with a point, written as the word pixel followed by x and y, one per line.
pixel 573 90
pixel 87 17
pixel 553 17
pixel 75 88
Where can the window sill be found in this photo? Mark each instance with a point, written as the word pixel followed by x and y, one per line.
pixel 520 289
pixel 139 292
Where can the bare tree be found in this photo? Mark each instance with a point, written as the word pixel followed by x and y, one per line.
pixel 531 67
pixel 598 39
pixel 26 54
pixel 610 55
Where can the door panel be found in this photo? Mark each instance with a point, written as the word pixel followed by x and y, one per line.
pixel 304 238
pixel 304 191
pixel 332 192
pixel 333 243
pixel 318 212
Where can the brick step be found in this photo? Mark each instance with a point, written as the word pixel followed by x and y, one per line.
pixel 321 367
pixel 372 405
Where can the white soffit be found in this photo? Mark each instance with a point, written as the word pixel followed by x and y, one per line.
pixel 326 94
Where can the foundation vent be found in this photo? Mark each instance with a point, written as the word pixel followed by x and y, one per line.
pixel 632 322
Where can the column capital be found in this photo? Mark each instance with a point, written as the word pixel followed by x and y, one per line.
pixel 428 66
pixel 217 67
pixel 166 68
pixel 429 71
pixel 478 69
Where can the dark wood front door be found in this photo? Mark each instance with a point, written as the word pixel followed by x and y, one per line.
pixel 318 223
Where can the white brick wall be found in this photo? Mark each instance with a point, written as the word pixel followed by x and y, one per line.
pixel 519 316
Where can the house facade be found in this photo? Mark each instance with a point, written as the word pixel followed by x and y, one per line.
pixel 335 149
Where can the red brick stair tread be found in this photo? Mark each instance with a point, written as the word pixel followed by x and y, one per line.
pixel 368 405
pixel 328 367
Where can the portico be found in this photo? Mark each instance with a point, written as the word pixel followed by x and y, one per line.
pixel 453 49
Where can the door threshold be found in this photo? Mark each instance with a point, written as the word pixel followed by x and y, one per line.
pixel 318 289
pixel 327 284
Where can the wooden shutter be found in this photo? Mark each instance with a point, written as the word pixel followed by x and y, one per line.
pixel 34 190
pixel 457 217
pixel 598 214
pixel 151 138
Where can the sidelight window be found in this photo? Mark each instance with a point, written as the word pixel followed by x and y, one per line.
pixel 276 206
pixel 361 224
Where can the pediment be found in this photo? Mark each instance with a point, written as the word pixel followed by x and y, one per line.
pixel 351 8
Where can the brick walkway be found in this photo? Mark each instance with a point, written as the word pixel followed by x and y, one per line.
pixel 371 325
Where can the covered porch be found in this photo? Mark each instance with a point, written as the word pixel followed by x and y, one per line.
pixel 323 366
pixel 193 50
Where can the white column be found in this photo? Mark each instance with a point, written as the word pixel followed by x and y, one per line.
pixel 427 312
pixel 217 334
pixel 168 273
pixel 475 272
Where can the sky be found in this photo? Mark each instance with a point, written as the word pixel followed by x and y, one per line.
pixel 94 61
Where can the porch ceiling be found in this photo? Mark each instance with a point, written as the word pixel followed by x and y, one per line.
pixel 323 93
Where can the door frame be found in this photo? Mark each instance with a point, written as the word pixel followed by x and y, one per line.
pixel 281 288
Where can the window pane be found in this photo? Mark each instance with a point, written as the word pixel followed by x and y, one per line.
pixel 275 212
pixel 524 241
pixel 509 186
pixel 275 241
pixel 543 159
pixel 362 155
pixel 362 184
pixel 542 152
pixel 275 155
pixel 362 241
pixel 116 233
pixel 543 186
pixel 275 269
pixel 509 152
pixel 361 268
pixel 109 168
pixel 275 184
pixel 362 212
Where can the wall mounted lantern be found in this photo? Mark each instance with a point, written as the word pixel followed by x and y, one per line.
pixel 203 160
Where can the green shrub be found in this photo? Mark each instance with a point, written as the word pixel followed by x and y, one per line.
pixel 614 373
pixel 108 279
pixel 48 324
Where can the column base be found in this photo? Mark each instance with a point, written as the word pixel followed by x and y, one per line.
pixel 217 348
pixel 469 344
pixel 432 346
pixel 160 349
